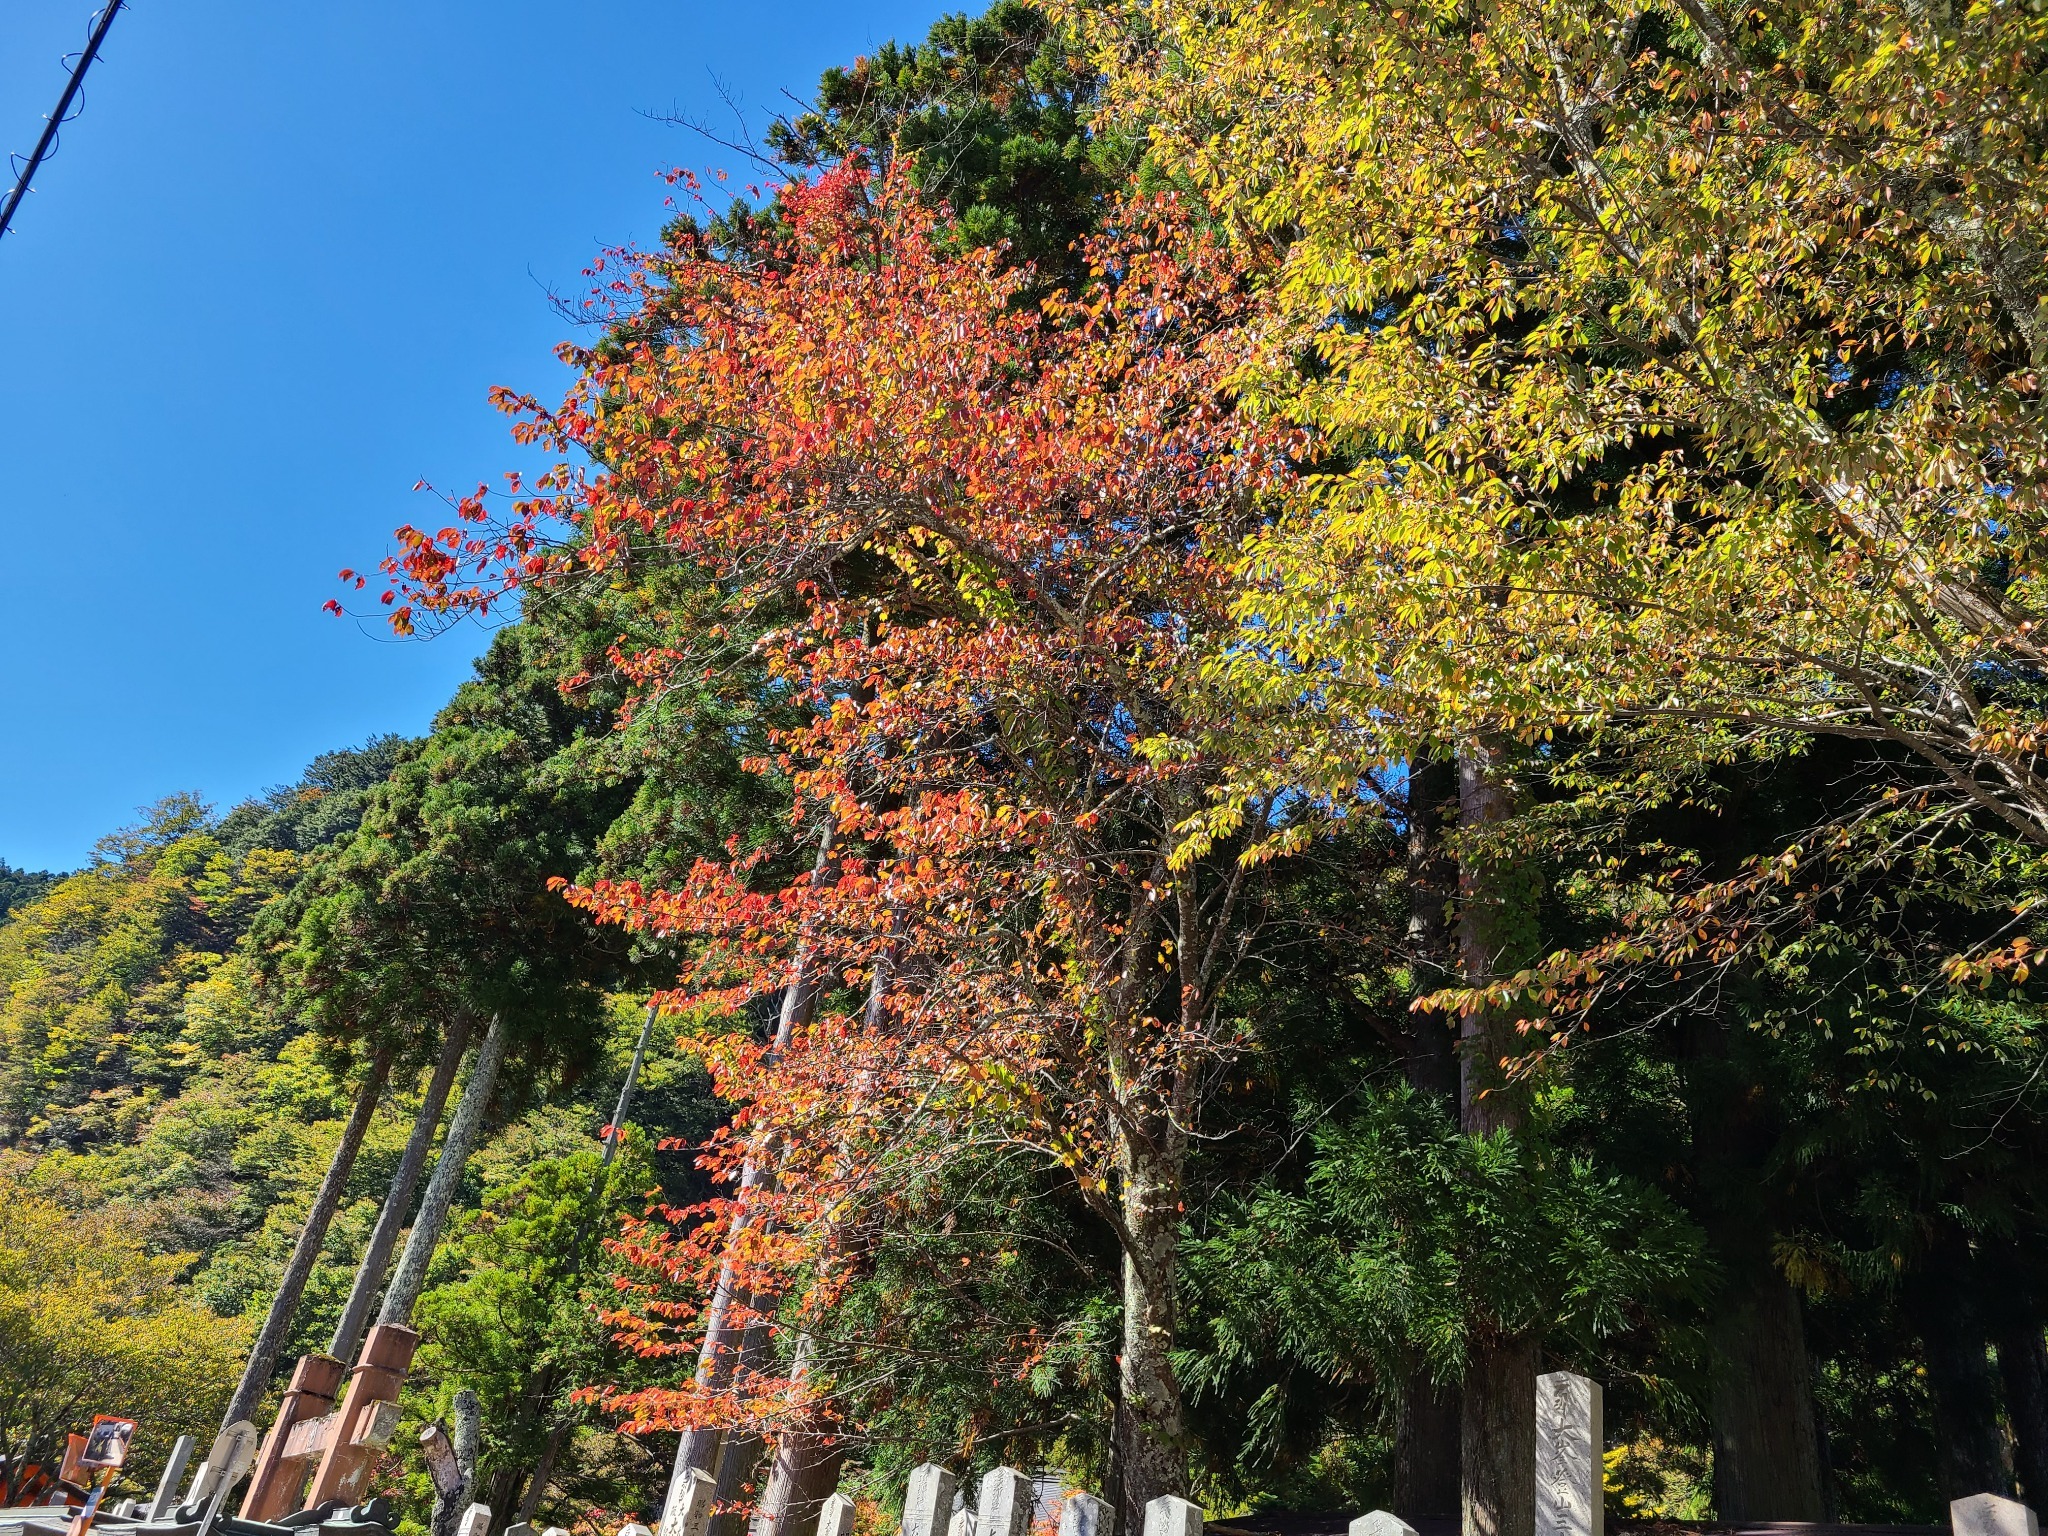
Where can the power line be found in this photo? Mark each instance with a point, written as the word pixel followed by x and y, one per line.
pixel 56 119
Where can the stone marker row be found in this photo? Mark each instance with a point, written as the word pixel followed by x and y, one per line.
pixel 1568 1493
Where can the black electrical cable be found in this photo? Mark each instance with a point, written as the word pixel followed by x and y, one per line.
pixel 56 118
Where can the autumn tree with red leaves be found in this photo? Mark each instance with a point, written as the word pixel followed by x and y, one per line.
pixel 992 529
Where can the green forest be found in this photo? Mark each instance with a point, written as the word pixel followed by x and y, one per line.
pixel 1254 720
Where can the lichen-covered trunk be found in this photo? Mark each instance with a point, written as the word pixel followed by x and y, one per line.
pixel 410 1278
pixel 1152 1449
pixel 376 1260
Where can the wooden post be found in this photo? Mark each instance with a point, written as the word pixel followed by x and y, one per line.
pixel 288 1449
pixel 352 1442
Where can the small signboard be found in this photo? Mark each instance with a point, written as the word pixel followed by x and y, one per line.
pixel 106 1443
pixel 71 1469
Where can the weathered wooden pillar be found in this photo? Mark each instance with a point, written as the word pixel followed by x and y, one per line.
pixel 362 1426
pixel 290 1446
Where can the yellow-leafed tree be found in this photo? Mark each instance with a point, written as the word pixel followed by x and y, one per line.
pixel 91 1323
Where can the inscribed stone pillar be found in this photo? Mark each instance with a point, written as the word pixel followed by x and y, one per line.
pixel 690 1498
pixel 1083 1514
pixel 1380 1523
pixel 1986 1514
pixel 1005 1508
pixel 835 1516
pixel 928 1506
pixel 1569 1440
pixel 1171 1516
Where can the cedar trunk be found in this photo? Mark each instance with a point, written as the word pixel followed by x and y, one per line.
pixel 1497 1439
pixel 284 1306
pixel 1498 1469
pixel 2023 1365
pixel 362 1296
pixel 463 1132
pixel 1766 1453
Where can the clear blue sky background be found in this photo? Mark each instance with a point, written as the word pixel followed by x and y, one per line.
pixel 261 291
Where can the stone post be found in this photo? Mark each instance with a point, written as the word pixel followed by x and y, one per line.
pixel 1569 1442
pixel 1005 1507
pixel 835 1516
pixel 1171 1516
pixel 1987 1514
pixel 166 1498
pixel 1083 1514
pixel 928 1505
pixel 690 1501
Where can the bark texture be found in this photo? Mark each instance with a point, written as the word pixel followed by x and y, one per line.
pixel 1497 1476
pixel 1154 1452
pixel 2023 1366
pixel 1497 1439
pixel 362 1296
pixel 1967 1437
pixel 284 1306
pixel 463 1131
pixel 1766 1453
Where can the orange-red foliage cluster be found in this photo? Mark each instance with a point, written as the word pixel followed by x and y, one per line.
pixel 995 525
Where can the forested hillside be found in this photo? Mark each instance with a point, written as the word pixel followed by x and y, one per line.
pixel 1294 713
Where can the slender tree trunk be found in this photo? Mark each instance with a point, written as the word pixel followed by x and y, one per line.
pixel 1766 1451
pixel 1154 1454
pixel 543 1472
pixel 411 1276
pixel 2023 1366
pixel 284 1306
pixel 701 1450
pixel 1427 1417
pixel 467 1439
pixel 1497 1439
pixel 362 1296
pixel 805 1469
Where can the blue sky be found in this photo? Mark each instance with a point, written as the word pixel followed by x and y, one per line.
pixel 262 290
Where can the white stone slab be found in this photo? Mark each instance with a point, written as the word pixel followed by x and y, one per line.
pixel 1083 1514
pixel 1569 1442
pixel 690 1499
pixel 1004 1508
pixel 1986 1514
pixel 476 1521
pixel 928 1505
pixel 1171 1516
pixel 835 1516
pixel 1375 1523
